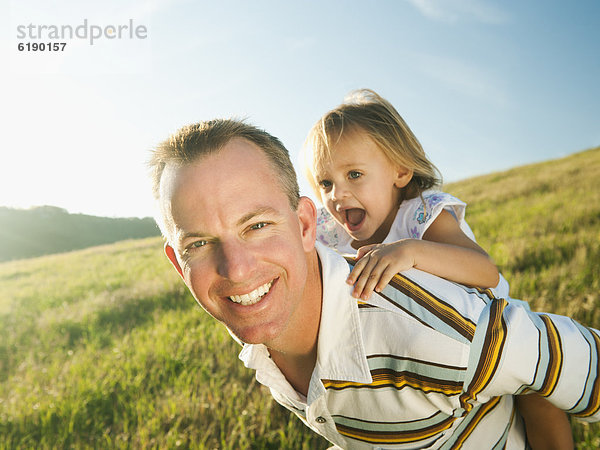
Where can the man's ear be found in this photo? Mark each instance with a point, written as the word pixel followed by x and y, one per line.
pixel 403 176
pixel 307 217
pixel 170 252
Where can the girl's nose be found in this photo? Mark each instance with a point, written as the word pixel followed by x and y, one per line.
pixel 338 191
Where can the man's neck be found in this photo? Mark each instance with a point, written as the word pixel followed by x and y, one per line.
pixel 297 370
pixel 297 361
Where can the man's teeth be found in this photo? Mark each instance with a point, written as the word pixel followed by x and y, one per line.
pixel 252 297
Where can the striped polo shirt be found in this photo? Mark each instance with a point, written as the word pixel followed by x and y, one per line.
pixel 432 364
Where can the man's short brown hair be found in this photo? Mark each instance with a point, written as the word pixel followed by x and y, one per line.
pixel 192 142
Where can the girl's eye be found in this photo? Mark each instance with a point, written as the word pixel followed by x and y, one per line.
pixel 353 174
pixel 324 184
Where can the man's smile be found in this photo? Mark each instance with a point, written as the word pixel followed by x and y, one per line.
pixel 252 297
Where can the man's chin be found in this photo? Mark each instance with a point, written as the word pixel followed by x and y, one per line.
pixel 253 336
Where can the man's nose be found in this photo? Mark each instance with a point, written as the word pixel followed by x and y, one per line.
pixel 236 262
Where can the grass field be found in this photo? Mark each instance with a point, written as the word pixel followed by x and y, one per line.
pixel 58 231
pixel 104 347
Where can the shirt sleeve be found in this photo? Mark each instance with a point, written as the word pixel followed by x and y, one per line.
pixel 515 351
pixel 421 212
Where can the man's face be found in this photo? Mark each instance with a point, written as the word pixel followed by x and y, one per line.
pixel 238 244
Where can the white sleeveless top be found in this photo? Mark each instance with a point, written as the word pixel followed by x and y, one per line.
pixel 412 220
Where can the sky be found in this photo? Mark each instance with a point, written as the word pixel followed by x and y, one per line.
pixel 484 85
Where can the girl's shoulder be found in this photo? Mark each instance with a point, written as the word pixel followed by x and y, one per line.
pixel 415 215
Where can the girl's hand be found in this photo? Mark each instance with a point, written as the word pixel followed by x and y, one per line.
pixel 377 264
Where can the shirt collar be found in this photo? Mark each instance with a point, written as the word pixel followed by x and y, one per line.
pixel 340 350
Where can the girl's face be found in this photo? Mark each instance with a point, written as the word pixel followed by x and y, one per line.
pixel 360 187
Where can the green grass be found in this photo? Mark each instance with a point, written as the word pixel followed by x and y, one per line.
pixel 104 347
pixel 57 231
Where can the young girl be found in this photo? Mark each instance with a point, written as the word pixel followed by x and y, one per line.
pixel 372 175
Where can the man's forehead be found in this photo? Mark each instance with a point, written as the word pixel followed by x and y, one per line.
pixel 166 180
pixel 230 186
pixel 244 150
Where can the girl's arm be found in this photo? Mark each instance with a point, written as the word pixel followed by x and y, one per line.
pixel 444 251
pixel 547 427
pixel 455 257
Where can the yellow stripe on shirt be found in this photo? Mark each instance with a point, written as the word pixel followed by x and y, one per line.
pixel 491 353
pixel 555 360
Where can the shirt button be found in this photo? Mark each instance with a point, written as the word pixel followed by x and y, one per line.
pixel 321 419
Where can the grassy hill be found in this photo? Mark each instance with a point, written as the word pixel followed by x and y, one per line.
pixel 44 230
pixel 104 347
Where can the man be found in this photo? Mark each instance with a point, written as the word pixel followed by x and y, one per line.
pixel 426 363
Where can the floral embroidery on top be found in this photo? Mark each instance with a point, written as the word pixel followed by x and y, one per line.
pixel 434 199
pixel 423 212
pixel 414 233
pixel 326 230
pixel 422 216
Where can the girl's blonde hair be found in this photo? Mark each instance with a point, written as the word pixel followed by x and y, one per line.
pixel 366 110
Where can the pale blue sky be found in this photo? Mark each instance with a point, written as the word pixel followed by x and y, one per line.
pixel 485 85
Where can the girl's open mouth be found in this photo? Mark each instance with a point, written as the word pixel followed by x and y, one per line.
pixel 354 218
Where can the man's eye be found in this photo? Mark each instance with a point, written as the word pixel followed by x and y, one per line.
pixel 197 244
pixel 258 226
pixel 353 174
